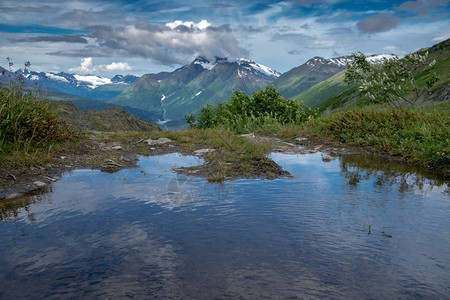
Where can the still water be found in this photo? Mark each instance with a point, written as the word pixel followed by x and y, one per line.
pixel 353 228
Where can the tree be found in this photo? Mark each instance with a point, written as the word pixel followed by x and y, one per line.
pixel 390 80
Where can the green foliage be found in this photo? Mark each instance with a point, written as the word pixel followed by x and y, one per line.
pixel 26 120
pixel 390 80
pixel 418 136
pixel 242 113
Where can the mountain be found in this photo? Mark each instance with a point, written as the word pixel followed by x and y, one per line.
pixel 299 79
pixel 172 94
pixel 438 96
pixel 322 91
pixel 315 70
pixel 91 86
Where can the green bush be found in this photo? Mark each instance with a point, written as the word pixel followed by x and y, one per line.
pixel 26 120
pixel 416 135
pixel 243 113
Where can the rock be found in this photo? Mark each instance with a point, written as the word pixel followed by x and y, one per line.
pixel 327 158
pixel 203 151
pixel 159 141
pixel 13 195
pixel 51 179
pixel 63 157
pixel 117 148
pixel 39 183
pixel 11 177
pixel 301 139
pixel 249 135
pixel 109 163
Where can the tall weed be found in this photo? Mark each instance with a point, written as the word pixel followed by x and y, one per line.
pixel 26 120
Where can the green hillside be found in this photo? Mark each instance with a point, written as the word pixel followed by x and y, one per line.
pixel 438 96
pixel 324 90
pixel 299 79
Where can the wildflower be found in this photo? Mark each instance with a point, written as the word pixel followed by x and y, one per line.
pixel 437 153
pixel 443 153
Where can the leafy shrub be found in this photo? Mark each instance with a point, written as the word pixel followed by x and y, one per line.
pixel 391 80
pixel 242 113
pixel 26 120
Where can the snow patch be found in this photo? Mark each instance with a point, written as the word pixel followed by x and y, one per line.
pixel 56 77
pixel 205 64
pixel 198 93
pixel 163 97
pixel 378 58
pixel 260 68
pixel 92 81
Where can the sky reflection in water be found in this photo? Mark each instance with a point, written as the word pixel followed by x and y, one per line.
pixel 152 232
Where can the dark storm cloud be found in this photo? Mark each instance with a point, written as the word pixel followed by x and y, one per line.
pixel 221 5
pixel 170 44
pixel 65 38
pixel 378 23
pixel 339 31
pixel 251 29
pixel 422 7
pixel 25 9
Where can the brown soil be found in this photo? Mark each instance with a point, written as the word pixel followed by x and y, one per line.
pixel 95 151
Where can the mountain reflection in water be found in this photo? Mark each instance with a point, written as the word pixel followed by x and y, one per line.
pixel 151 233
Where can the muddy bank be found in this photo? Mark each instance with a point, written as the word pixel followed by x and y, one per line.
pixel 110 153
pixel 105 152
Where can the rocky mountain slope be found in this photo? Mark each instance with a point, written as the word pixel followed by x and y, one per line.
pixel 172 94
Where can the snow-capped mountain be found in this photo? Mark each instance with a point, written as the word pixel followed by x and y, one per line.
pixel 317 69
pixel 379 57
pixel 190 87
pixel 91 86
pixel 248 64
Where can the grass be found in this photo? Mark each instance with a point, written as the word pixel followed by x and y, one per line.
pixel 418 136
pixel 234 156
pixel 29 128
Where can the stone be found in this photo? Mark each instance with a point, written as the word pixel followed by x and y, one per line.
pixel 203 151
pixel 159 141
pixel 327 158
pixel 63 157
pixel 39 183
pixel 117 148
pixel 301 139
pixel 11 177
pixel 13 195
pixel 249 135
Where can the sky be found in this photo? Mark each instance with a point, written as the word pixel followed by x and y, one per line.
pixel 105 38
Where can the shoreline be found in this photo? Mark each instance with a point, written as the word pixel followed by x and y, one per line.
pixel 111 152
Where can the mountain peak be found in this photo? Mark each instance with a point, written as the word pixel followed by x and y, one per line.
pixel 244 62
pixel 204 62
pixel 341 61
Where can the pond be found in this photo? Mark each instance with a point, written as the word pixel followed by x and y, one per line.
pixel 356 227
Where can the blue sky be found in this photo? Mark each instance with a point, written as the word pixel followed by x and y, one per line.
pixel 138 37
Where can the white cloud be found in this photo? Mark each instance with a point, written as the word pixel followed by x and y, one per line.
pixel 321 44
pixel 87 67
pixel 202 25
pixel 441 38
